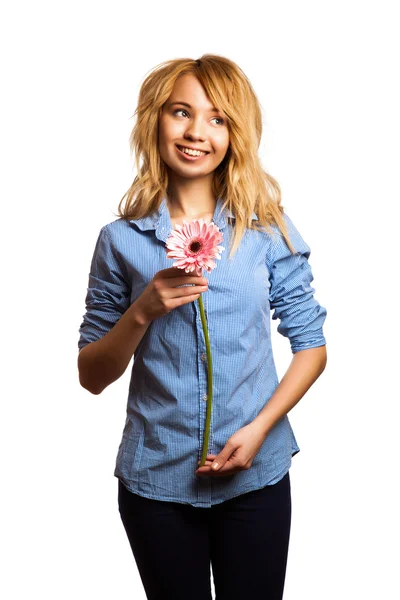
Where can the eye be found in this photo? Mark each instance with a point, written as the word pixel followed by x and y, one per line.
pixel 185 111
pixel 220 119
pixel 180 110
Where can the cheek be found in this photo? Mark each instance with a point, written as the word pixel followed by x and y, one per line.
pixel 163 131
pixel 222 142
pixel 165 138
pixel 164 128
pixel 170 128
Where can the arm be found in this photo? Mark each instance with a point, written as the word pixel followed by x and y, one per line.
pixel 301 318
pixel 111 329
pixel 103 361
pixel 303 371
pixel 243 445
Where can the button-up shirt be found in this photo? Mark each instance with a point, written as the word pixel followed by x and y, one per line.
pixel 162 439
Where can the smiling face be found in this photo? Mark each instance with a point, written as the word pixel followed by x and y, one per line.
pixel 189 121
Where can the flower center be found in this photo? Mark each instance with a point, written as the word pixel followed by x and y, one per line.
pixel 195 246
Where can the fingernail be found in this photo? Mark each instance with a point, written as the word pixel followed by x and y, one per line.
pixel 215 465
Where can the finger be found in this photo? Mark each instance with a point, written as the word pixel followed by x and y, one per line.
pixel 220 465
pixel 210 456
pixel 206 468
pixel 173 271
pixel 227 468
pixel 208 472
pixel 209 459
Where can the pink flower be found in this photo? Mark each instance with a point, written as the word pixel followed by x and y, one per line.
pixel 195 245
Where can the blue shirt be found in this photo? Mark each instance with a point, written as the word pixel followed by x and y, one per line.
pixel 162 438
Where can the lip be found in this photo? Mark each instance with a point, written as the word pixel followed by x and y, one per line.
pixel 192 158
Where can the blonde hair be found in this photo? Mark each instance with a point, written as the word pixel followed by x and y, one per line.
pixel 239 179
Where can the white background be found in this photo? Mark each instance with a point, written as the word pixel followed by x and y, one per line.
pixel 326 76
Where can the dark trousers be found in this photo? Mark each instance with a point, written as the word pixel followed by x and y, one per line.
pixel 245 539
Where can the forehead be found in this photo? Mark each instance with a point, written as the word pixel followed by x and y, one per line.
pixel 187 83
pixel 188 89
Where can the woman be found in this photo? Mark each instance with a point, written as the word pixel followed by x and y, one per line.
pixel 197 133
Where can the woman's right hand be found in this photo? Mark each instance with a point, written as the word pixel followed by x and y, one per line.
pixel 163 294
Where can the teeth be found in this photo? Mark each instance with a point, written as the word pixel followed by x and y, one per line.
pixel 192 152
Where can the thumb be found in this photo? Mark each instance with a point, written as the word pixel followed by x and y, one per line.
pixel 220 459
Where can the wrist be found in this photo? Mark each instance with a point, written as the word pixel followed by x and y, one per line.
pixel 261 425
pixel 138 317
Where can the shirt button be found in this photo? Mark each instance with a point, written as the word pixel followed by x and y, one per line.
pixel 203 356
pixel 205 397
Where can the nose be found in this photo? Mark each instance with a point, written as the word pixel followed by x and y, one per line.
pixel 195 130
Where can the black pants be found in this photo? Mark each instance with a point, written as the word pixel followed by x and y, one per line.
pixel 245 539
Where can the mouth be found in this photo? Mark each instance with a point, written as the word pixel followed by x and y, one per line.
pixel 189 156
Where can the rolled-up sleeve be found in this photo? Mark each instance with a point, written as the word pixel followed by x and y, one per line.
pixel 108 293
pixel 291 295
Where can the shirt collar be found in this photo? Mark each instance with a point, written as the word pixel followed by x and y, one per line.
pixel 161 221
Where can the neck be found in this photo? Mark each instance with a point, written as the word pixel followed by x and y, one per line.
pixel 192 199
pixel 190 211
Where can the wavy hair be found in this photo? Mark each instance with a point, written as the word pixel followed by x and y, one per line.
pixel 239 180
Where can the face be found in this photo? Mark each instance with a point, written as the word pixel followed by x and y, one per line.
pixel 189 121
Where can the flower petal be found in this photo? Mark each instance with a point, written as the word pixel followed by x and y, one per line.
pixel 205 236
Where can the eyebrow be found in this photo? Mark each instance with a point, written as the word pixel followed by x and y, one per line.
pixel 213 109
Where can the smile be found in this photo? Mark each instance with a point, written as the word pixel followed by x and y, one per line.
pixel 194 155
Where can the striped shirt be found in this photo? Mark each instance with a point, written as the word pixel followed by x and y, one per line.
pixel 162 439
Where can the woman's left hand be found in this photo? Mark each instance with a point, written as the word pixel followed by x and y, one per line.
pixel 237 454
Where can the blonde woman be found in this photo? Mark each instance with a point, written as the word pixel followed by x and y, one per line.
pixel 195 141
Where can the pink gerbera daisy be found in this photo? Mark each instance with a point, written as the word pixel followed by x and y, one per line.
pixel 195 245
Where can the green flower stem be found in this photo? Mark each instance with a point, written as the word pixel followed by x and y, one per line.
pixel 209 383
